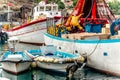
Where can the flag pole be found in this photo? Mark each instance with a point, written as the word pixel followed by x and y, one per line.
pixel 8 13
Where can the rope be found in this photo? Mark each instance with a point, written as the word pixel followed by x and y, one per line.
pixel 94 49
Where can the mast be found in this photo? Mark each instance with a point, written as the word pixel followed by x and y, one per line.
pixel 9 14
pixel 8 17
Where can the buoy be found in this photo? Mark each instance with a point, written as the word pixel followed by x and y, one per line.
pixel 33 64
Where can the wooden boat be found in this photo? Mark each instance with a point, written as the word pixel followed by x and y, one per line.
pixel 32 31
pixel 100 44
pixel 55 60
pixel 15 62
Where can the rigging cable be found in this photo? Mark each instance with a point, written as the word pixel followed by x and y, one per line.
pixel 89 13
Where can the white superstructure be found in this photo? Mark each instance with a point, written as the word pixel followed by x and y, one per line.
pixel 48 10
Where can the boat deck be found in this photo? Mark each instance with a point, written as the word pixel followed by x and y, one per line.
pixel 86 36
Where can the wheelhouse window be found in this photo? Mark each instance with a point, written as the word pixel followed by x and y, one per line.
pixel 41 8
pixel 54 8
pixel 48 8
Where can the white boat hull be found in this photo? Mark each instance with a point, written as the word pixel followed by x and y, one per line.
pixel 59 67
pixel 103 55
pixel 30 33
pixel 22 76
pixel 15 68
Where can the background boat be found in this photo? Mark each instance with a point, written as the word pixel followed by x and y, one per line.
pixel 32 31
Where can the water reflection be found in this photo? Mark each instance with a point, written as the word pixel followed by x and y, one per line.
pixel 38 74
pixel 23 76
pixel 41 74
pixel 32 75
pixel 47 75
pixel 19 47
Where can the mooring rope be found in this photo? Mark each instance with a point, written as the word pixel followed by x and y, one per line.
pixel 94 49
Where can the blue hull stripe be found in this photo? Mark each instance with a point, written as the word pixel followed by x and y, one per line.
pixel 84 41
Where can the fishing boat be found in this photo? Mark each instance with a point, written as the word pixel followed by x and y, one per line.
pixel 99 41
pixel 32 31
pixel 15 61
pixel 54 60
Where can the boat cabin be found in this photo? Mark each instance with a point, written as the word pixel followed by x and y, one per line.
pixel 46 10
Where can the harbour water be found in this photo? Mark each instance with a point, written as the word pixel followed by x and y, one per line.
pixel 38 74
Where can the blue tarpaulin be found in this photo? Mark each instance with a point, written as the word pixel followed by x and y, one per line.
pixel 93 28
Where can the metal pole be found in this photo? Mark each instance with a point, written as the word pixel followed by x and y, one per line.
pixel 8 13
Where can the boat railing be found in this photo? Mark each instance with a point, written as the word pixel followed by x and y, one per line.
pixel 47 7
